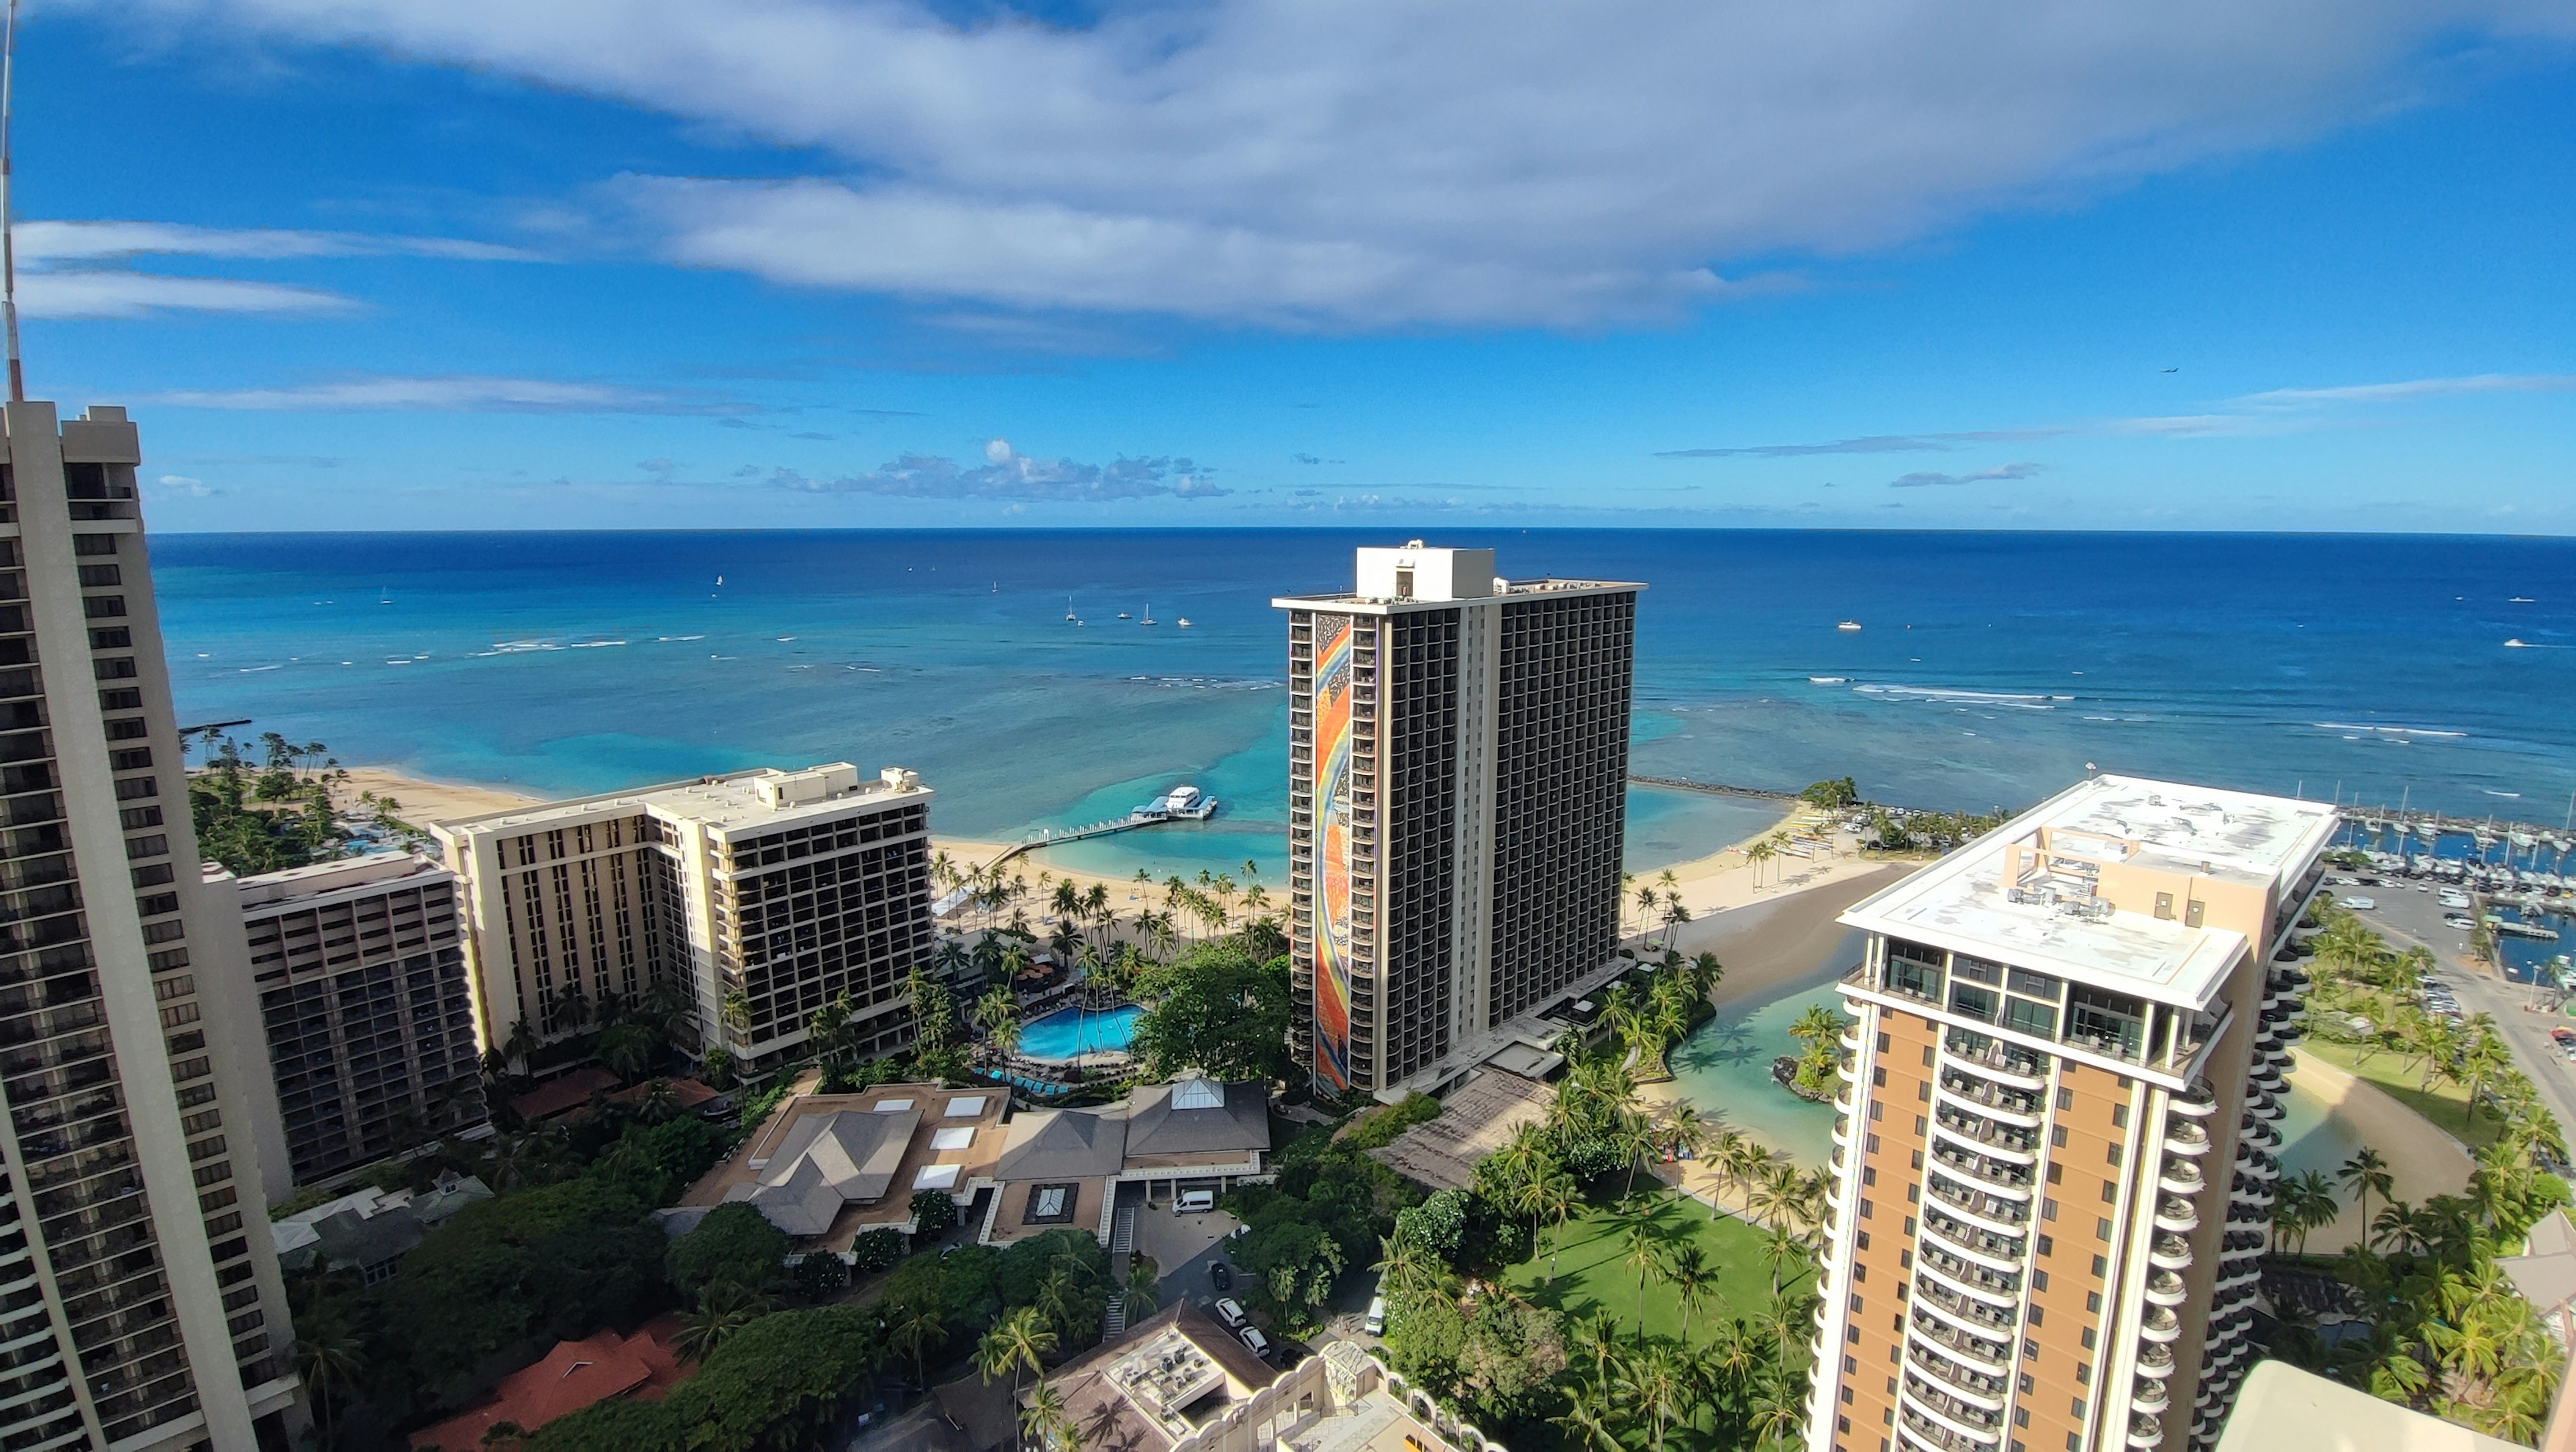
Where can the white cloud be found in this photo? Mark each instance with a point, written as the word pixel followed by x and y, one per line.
pixel 2414 388
pixel 1927 479
pixel 43 242
pixel 1007 474
pixel 182 484
pixel 113 294
pixel 1353 163
pixel 451 394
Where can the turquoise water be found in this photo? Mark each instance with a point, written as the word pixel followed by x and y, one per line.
pixel 1991 669
pixel 1072 1032
pixel 1724 1068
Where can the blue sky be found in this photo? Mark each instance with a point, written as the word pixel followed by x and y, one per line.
pixel 390 264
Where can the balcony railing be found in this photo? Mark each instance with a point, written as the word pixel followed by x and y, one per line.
pixel 1987 1132
pixel 1972 1311
pixel 1988 1093
pixel 1999 1174
pixel 1966 1345
pixel 1969 1201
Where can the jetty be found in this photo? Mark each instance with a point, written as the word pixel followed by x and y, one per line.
pixel 1721 789
pixel 1180 804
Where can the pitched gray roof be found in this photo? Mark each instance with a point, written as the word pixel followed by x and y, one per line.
pixel 1067 1144
pixel 1240 1123
pixel 827 1161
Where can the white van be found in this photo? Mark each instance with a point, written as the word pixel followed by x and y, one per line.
pixel 1195 1202
pixel 1375 1325
pixel 1254 1340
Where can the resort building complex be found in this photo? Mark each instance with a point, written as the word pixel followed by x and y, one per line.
pixel 2054 1161
pixel 756 897
pixel 367 1017
pixel 1458 760
pixel 140 1304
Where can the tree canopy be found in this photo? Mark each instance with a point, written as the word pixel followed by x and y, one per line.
pixel 1217 1008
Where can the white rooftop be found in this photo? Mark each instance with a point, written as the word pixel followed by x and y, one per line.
pixel 1961 902
pixel 760 799
pixel 1417 574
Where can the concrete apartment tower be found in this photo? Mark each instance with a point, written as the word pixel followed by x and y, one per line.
pixel 357 969
pixel 1458 762
pixel 140 1305
pixel 2055 1157
pixel 758 897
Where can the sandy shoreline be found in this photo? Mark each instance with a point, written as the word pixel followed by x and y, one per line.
pixel 2423 1160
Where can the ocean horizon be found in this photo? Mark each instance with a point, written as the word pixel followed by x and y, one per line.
pixel 1989 669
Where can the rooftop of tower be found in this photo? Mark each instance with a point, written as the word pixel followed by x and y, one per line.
pixel 760 798
pixel 2032 893
pixel 1416 575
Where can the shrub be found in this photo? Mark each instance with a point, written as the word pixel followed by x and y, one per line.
pixel 1379 1127
pixel 733 1243
pixel 933 1212
pixel 878 1249
pixel 820 1276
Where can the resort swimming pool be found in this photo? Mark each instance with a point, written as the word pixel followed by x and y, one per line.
pixel 1069 1033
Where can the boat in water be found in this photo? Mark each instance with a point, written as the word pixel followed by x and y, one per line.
pixel 1183 622
pixel 1847 625
pixel 1184 803
pixel 2517 643
pixel 1827 680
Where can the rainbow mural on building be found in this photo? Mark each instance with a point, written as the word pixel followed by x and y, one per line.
pixel 1332 789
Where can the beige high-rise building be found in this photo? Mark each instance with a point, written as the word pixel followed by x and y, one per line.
pixel 1457 805
pixel 758 897
pixel 2055 1158
pixel 140 1305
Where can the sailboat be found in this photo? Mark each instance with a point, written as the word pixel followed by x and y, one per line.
pixel 1149 616
pixel 1068 607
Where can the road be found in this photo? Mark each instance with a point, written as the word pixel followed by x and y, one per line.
pixel 2409 917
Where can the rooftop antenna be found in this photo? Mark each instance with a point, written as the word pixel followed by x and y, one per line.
pixel 8 219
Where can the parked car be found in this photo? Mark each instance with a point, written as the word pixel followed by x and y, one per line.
pixel 1222 1274
pixel 2458 923
pixel 1229 1314
pixel 2361 904
pixel 1252 1338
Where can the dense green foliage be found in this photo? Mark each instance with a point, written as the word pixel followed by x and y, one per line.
pixel 777 1384
pixel 1218 1007
pixel 734 1243
pixel 1326 1212
pixel 1379 1127
pixel 875 1250
pixel 1832 795
pixel 934 1212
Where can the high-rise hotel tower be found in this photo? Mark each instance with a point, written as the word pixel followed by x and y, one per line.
pixel 2055 1158
pixel 140 1306
pixel 1458 760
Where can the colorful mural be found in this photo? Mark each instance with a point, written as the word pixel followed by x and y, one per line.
pixel 1332 787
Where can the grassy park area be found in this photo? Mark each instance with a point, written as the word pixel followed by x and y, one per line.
pixel 2446 1105
pixel 1596 1275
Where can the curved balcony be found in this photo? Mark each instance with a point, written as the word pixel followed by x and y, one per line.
pixel 2186 1137
pixel 2001 1252
pixel 1990 1212
pixel 1847 1068
pixel 1982 1353
pixel 1946 1410
pixel 1975 1388
pixel 2146 1430
pixel 2181 1177
pixel 2160 1324
pixel 1843 1098
pixel 2178 1216
pixel 1942 1438
pixel 1842 1131
pixel 1968 1278
pixel 2169 1252
pixel 1973 1316
pixel 2164 1288
pixel 2194 1106
pixel 1837 1158
pixel 1984 1096
pixel 2156 1361
pixel 1987 1134
pixel 2150 1395
pixel 1996 1175
pixel 2268 1106
pixel 2014 1068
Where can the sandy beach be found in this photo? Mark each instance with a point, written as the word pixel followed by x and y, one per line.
pixel 2422 1159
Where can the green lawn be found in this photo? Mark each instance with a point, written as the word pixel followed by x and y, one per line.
pixel 2447 1106
pixel 1592 1275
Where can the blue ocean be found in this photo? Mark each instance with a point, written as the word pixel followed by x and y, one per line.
pixel 1988 669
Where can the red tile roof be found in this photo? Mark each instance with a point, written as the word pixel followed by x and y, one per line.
pixel 574 1375
pixel 562 1096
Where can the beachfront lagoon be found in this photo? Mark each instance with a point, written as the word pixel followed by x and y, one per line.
pixel 1724 1070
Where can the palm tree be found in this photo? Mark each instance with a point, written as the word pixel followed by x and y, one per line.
pixel 1772 1196
pixel 1688 1271
pixel 1644 1244
pixel 2364 1175
pixel 1757 854
pixel 912 1328
pixel 1409 1273
pixel 1588 1420
pixel 1046 1419
pixel 1142 1293
pixel 1559 1199
pixel 1651 1383
pixel 723 1309
pixel 1018 1342
pixel 330 1360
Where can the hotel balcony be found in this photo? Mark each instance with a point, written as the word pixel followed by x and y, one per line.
pixel 1969 1279
pixel 1999 1175
pixel 2015 1106
pixel 1992 1212
pixel 1979 1352
pixel 2165 1288
pixel 2013 1067
pixel 2002 1252
pixel 1999 1139
pixel 2177 1215
pixel 2155 1361
pixel 2146 1430
pixel 1975 1388
pixel 2181 1177
pixel 2186 1137
pixel 2149 1395
pixel 2169 1252
pixel 2161 1325
pixel 1922 1431
pixel 2198 1103
pixel 1973 1315
pixel 1945 1409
